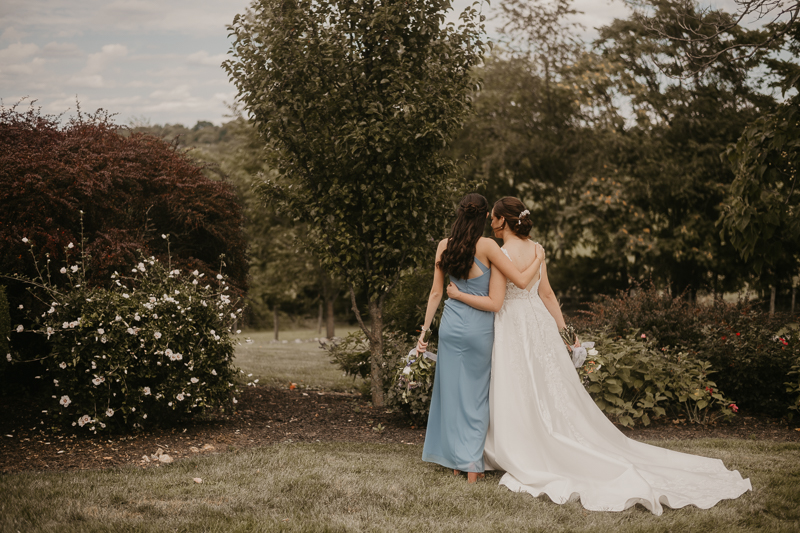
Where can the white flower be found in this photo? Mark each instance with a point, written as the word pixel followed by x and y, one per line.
pixel 233 315
pixel 49 331
pixel 194 282
pixel 213 332
pixel 219 276
pixel 63 270
pixel 74 268
pixel 51 310
pixel 147 391
pixel 8 356
pixel 178 357
pixel 169 404
pixel 100 331
pixel 168 353
pixel 21 306
pixel 104 339
pixel 194 380
pixel 213 372
pixel 70 246
pixel 25 240
pixel 94 365
pixel 163 236
pixel 73 324
pixel 407 370
pixel 140 266
pixel 144 415
pixel 65 325
pixel 63 365
pixel 109 412
pixel 131 331
pixel 235 401
pixel 65 401
pixel 157 335
pixel 85 419
pixel 55 382
pixel 117 318
pixel 180 396
pixel 98 380
pixel 137 317
pixel 196 273
pixel 592 352
pixel 125 295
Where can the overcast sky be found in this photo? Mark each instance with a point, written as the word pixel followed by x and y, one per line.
pixel 146 60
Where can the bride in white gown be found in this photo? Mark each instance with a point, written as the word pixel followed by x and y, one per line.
pixel 546 432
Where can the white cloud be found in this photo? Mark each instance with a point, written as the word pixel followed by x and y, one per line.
pixel 94 81
pixel 12 34
pixel 17 52
pixel 58 50
pixel 204 58
pixel 99 61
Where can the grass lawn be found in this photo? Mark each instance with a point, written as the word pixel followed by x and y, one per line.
pixel 363 487
pixel 279 364
pixel 369 487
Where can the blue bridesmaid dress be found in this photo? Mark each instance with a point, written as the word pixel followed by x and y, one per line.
pixel 459 415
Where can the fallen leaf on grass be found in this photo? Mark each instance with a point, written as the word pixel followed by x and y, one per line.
pixel 197 480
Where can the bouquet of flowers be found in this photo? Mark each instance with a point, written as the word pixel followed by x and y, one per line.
pixel 413 381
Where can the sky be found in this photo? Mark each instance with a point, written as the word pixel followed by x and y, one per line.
pixel 147 61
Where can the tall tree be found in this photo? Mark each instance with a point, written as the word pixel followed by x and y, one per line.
pixel 357 99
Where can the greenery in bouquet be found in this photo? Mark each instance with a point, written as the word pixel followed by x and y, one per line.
pixel 631 379
pixel 154 346
pixel 412 385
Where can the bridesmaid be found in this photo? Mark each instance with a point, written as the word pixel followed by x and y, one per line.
pixel 459 414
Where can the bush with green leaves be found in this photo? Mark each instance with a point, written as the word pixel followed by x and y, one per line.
pixel 750 350
pixel 632 379
pixel 793 388
pixel 352 356
pixel 156 346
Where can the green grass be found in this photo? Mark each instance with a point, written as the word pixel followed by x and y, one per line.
pixel 369 487
pixel 279 364
pixel 363 487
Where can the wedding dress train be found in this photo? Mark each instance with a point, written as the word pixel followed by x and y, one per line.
pixel 547 434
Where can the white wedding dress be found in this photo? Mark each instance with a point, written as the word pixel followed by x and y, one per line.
pixel 549 437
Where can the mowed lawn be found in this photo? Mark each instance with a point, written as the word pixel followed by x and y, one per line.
pixel 364 487
pixel 278 364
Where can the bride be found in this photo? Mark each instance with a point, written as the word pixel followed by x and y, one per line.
pixel 546 432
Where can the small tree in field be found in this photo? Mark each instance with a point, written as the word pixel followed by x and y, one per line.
pixel 357 99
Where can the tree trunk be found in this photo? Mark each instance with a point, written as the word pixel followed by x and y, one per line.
pixel 376 352
pixel 319 318
pixel 329 318
pixel 794 292
pixel 275 320
pixel 772 291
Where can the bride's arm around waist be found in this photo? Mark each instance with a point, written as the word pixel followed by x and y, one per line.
pixel 549 299
pixel 493 302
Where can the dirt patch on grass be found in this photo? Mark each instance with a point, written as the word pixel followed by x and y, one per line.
pixel 267 416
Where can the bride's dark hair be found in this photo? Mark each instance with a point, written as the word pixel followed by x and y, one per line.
pixel 459 255
pixel 511 210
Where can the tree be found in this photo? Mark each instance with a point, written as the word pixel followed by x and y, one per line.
pixel 357 99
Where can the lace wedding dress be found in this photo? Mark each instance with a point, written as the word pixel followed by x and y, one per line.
pixel 547 434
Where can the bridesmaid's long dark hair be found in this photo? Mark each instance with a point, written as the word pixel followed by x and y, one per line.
pixel 459 255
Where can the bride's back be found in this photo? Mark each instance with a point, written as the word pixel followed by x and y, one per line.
pixel 522 253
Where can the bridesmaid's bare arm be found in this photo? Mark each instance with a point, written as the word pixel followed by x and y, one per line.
pixel 435 296
pixel 509 269
pixel 493 302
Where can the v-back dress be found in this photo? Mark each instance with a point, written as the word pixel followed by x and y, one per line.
pixel 459 414
pixel 550 438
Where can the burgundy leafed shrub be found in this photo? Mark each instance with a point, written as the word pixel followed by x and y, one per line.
pixel 131 189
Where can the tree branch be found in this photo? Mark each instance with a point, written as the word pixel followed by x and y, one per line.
pixel 364 328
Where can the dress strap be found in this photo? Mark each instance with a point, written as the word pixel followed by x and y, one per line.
pixel 483 267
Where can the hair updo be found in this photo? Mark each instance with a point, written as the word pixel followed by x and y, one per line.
pixel 457 258
pixel 515 214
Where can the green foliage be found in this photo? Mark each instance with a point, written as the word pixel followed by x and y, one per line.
pixel 357 100
pixel 761 216
pixel 631 379
pixel 5 325
pixel 154 347
pixel 750 351
pixel 793 387
pixel 412 386
pixel 353 356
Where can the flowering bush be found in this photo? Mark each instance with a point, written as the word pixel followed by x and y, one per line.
pixel 631 379
pixel 750 351
pixel 412 386
pixel 155 346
